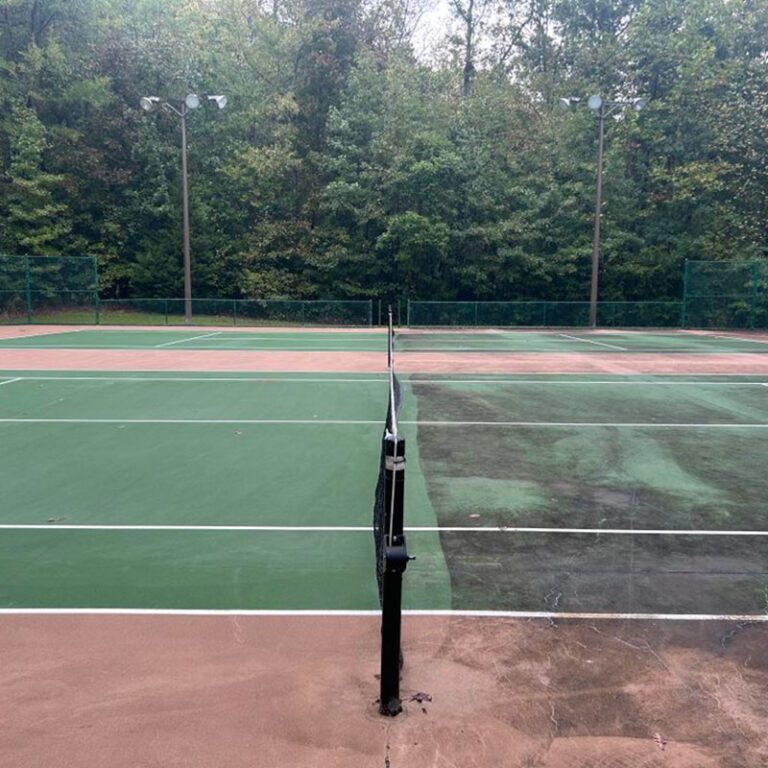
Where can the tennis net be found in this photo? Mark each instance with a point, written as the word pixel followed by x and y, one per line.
pixel 391 554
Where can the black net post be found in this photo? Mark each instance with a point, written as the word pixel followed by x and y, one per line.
pixel 395 563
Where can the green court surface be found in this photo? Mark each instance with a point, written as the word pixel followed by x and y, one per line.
pixel 614 495
pixel 554 341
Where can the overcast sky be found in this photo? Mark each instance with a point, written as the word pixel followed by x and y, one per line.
pixel 433 26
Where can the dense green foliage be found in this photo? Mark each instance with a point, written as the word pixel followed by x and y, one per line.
pixel 345 166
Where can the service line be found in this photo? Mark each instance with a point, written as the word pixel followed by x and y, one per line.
pixel 363 422
pixel 191 338
pixel 589 341
pixel 54 526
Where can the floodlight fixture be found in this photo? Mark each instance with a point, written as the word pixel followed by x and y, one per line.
pixel 149 103
pixel 594 102
pixel 640 104
pixel 220 100
pixel 192 100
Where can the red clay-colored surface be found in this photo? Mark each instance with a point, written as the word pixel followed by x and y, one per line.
pixel 226 692
pixel 375 362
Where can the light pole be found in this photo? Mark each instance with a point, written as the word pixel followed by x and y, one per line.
pixel 191 101
pixel 602 109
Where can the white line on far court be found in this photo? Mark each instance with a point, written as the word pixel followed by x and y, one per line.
pixel 363 422
pixel 191 338
pixel 340 422
pixel 742 338
pixel 41 333
pixel 590 341
pixel 367 529
pixel 10 381
pixel 222 379
pixel 550 615
pixel 406 379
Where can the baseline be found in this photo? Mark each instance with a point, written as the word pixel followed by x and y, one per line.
pixel 549 615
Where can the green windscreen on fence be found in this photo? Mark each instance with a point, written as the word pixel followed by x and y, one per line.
pixel 65 290
pixel 611 314
pixel 43 289
pixel 237 312
pixel 725 294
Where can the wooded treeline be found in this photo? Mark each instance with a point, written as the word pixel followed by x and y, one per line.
pixel 347 167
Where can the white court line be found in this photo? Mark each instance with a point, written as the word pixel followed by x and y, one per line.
pixel 741 338
pixel 755 617
pixel 553 615
pixel 192 338
pixel 367 529
pixel 314 348
pixel 589 341
pixel 406 379
pixel 354 422
pixel 10 381
pixel 248 337
pixel 535 382
pixel 576 424
pixel 219 379
pixel 192 421
pixel 40 334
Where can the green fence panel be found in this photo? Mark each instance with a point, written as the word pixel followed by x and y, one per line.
pixel 725 294
pixel 54 289
pixel 542 314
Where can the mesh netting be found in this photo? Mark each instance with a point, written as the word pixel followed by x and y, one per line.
pixel 611 314
pixel 380 508
pixel 726 294
pixel 256 312
pixel 48 288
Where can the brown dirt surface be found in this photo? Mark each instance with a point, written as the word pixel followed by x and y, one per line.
pixel 151 691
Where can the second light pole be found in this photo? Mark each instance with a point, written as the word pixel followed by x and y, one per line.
pixel 190 102
pixel 602 109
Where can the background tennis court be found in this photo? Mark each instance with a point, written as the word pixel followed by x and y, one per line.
pixel 407 340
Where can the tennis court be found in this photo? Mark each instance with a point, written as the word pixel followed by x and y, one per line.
pixel 408 340
pixel 619 517
pixel 179 492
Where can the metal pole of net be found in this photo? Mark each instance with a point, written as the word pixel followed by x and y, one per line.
pixel 391 553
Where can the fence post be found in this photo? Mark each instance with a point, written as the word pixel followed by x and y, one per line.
pixel 96 305
pixel 684 307
pixel 399 318
pixel 544 305
pixel 370 312
pixel 407 312
pixel 753 296
pixel 165 309
pixel 28 288
pixel 303 315
pixel 476 314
